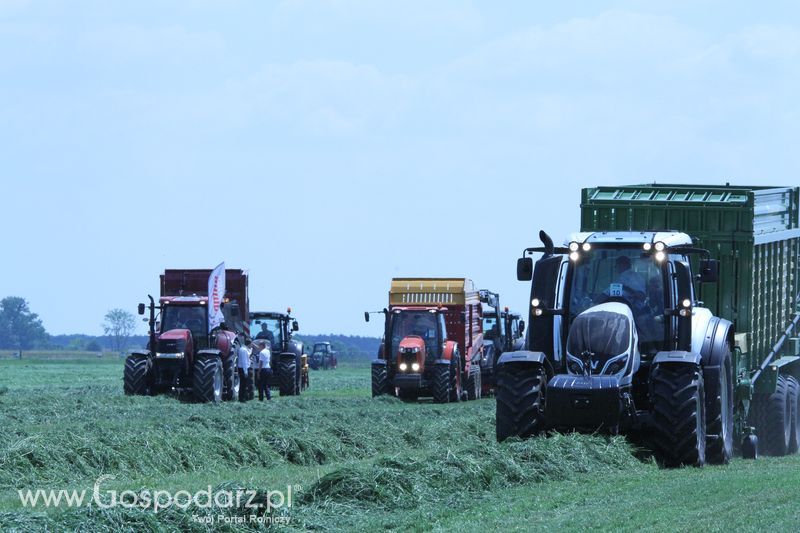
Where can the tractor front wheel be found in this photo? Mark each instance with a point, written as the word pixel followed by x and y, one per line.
pixel 519 397
pixel 287 376
pixel 134 378
pixel 380 380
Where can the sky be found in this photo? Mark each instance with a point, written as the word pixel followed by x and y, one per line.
pixel 327 146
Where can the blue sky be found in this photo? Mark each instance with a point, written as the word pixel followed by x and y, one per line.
pixel 327 146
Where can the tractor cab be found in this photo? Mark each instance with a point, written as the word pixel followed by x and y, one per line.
pixel 277 328
pixel 417 336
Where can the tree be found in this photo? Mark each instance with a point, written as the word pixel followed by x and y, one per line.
pixel 20 328
pixel 93 346
pixel 119 325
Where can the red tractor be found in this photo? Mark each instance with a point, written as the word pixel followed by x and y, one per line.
pixel 183 353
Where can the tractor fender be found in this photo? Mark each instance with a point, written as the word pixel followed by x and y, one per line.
pixel 522 356
pixel 677 356
pixel 379 362
pixel 208 353
pixel 140 353
pixel 719 335
pixel 450 348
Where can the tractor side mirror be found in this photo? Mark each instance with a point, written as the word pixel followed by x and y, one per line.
pixel 524 269
pixel 141 309
pixel 709 271
pixel 521 327
pixel 295 325
pixel 366 316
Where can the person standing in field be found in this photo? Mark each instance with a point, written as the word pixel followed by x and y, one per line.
pixel 264 371
pixel 243 368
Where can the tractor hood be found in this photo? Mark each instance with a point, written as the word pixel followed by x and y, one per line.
pixel 174 343
pixel 603 341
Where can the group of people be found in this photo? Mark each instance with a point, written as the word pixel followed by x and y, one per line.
pixel 255 355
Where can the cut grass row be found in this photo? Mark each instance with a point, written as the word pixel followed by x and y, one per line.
pixel 358 463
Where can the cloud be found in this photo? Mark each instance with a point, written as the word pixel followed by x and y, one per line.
pixel 164 43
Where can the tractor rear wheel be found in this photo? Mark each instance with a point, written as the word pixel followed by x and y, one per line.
pixel 287 376
pixel 442 383
pixel 719 412
pixel 134 378
pixel 207 380
pixel 519 397
pixel 679 426
pixel 474 383
pixel 230 385
pixel 794 401
pixel 456 385
pixel 771 415
pixel 380 380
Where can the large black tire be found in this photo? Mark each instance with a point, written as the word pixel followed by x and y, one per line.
pixel 456 385
pixel 519 398
pixel 230 377
pixel 442 382
pixel 474 383
pixel 380 380
pixel 718 384
pixel 287 376
pixel 771 415
pixel 678 435
pixel 794 401
pixel 207 380
pixel 134 377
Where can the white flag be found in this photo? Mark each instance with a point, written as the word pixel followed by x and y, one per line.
pixel 216 291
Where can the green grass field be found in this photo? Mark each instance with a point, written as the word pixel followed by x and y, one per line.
pixel 352 463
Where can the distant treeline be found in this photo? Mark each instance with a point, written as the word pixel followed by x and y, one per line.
pixel 347 346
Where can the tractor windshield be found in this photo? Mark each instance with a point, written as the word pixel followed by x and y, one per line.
pixel 422 323
pixel 269 329
pixel 491 328
pixel 627 275
pixel 193 318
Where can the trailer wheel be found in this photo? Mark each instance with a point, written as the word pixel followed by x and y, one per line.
pixel 679 427
pixel 442 381
pixel 794 401
pixel 134 377
pixel 771 416
pixel 719 412
pixel 380 380
pixel 230 389
pixel 519 399
pixel 456 388
pixel 287 376
pixel 207 380
pixel 474 383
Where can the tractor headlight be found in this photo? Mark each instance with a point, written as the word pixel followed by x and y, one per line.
pixel 660 246
pixel 616 365
pixel 573 246
pixel 574 256
pixel 415 367
pixel 574 365
pixel 403 367
pixel 660 256
pixel 586 247
pixel 647 246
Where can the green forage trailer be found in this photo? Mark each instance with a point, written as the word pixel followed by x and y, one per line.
pixel 673 314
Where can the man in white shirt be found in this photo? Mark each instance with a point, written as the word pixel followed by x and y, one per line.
pixel 264 371
pixel 243 368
